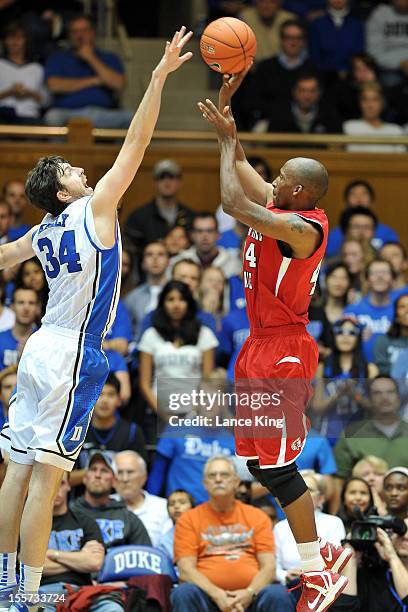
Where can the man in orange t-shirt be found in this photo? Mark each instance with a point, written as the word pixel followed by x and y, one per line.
pixel 224 549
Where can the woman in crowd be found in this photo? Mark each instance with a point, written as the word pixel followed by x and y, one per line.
pixel 363 70
pixel 355 500
pixel 339 383
pixel 176 240
pixel 177 346
pixel 356 256
pixel 372 469
pixel 337 284
pixel 388 346
pixel 31 276
pixel 211 293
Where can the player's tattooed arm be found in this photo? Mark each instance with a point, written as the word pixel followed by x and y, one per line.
pixel 17 251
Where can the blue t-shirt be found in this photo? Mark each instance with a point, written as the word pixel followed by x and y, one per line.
pixel 189 449
pixel 66 64
pixel 383 234
pixel 229 240
pixel 8 349
pixel 234 332
pixel 116 361
pixel 15 233
pixel 122 325
pixel 237 293
pixel 376 318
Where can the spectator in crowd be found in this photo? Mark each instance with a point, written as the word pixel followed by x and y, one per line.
pixel 347 91
pixel 128 270
pixel 204 249
pixel 396 491
pixel 75 552
pixel 7 315
pixel 386 40
pixel 183 449
pixel 334 39
pixel 356 194
pixel 22 91
pixel 177 345
pixel 340 381
pixel 288 562
pixel 178 502
pixel 382 433
pixel 338 282
pixel 8 382
pixel 131 477
pixel 85 81
pixel 12 341
pixel 144 298
pixel 14 194
pixel 355 499
pixel 225 8
pixel 5 221
pixel 356 256
pixel 388 346
pixel 375 311
pixel 383 585
pixel 203 541
pixel 307 113
pixel 359 223
pixel 275 77
pixel 265 18
pixel 372 469
pixel 30 275
pixel 176 240
pixel 154 219
pixel 212 292
pixel 396 254
pixel 118 525
pixel 108 431
pixel 307 9
pixel 370 122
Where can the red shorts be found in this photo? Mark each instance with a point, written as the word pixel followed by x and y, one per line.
pixel 273 375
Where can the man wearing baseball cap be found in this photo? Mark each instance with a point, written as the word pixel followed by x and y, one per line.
pixel 118 525
pixel 153 220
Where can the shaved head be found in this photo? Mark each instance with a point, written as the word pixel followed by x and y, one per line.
pixel 309 173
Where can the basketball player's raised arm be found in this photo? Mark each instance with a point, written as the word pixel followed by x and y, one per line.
pixel 17 251
pixel 253 184
pixel 301 236
pixel 113 185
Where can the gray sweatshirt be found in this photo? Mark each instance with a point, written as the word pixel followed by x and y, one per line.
pixel 387 37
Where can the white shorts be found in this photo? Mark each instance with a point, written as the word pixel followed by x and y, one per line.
pixel 60 376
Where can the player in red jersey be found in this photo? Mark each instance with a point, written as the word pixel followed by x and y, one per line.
pixel 282 257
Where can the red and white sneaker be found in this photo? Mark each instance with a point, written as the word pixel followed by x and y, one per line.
pixel 320 590
pixel 335 557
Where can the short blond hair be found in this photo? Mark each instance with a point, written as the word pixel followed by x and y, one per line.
pixel 378 464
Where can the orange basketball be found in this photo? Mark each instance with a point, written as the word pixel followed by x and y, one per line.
pixel 228 45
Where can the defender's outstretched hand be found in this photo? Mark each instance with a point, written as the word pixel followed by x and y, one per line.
pixel 171 59
pixel 223 123
pixel 230 84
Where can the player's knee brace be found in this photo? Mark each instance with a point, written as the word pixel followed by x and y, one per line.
pixel 258 473
pixel 285 482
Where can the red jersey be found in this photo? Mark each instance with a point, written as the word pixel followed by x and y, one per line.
pixel 278 289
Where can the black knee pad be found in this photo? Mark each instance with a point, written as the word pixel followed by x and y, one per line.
pixel 284 482
pixel 259 474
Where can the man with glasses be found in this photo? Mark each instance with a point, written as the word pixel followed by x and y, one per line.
pixel 383 433
pixel 205 250
pixel 153 220
pixel 224 549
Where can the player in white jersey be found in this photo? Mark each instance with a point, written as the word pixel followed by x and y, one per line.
pixel 63 367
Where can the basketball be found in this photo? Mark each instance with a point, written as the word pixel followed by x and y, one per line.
pixel 228 45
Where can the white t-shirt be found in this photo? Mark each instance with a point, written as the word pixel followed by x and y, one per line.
pixel 177 361
pixel 287 557
pixel 360 127
pixel 154 516
pixel 32 76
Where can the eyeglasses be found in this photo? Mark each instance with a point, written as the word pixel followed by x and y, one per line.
pixel 222 475
pixel 339 331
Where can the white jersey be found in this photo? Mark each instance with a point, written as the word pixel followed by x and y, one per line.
pixel 83 276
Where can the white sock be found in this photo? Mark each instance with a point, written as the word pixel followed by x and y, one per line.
pixel 311 560
pixel 30 578
pixel 8 569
